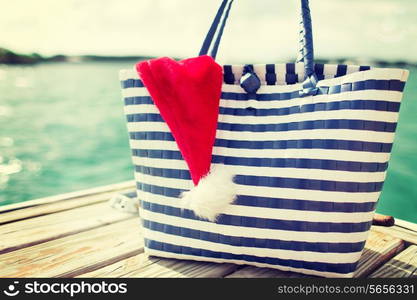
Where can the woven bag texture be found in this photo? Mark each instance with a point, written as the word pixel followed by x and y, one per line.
pixel 309 170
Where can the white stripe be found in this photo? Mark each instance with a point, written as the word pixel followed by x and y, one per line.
pixel 299 70
pixel 128 74
pixel 135 92
pixel 317 174
pixel 243 262
pixel 352 69
pixel 260 252
pixel 350 114
pixel 378 95
pixel 343 155
pixel 329 70
pixel 269 213
pixel 253 232
pixel 260 71
pixel 372 74
pixel 237 71
pixel 263 191
pixel 141 109
pixel 280 71
pixel 313 195
pixel 337 134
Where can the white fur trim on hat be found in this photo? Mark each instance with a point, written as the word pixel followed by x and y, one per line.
pixel 212 195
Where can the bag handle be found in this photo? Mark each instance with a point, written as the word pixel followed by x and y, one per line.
pixel 306 52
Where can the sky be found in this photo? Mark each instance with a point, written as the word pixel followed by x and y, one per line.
pixel 258 30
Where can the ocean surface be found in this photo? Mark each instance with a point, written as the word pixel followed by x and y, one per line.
pixel 62 129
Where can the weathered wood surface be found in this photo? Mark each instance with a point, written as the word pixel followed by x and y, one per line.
pixel 79 235
pixel 75 254
pixel 143 266
pixel 44 206
pixel 409 235
pixel 34 231
pixel 379 248
pixel 402 265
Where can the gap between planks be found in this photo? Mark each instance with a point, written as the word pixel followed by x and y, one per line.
pixel 402 265
pixel 41 229
pixel 68 196
pixel 49 207
pixel 143 266
pixel 75 254
pixel 406 234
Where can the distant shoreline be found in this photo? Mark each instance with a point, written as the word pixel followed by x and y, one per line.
pixel 8 57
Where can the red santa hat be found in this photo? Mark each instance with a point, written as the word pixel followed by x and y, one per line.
pixel 187 94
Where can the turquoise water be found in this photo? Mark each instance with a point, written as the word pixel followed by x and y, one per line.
pixel 62 129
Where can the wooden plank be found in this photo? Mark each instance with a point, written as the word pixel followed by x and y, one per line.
pixel 402 265
pixel 122 267
pixel 75 254
pixel 406 234
pixel 7 216
pixel 378 249
pixel 37 230
pixel 173 268
pixel 67 196
pixel 149 267
pixel 406 225
pixel 254 272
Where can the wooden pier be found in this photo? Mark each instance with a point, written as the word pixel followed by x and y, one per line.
pixel 80 235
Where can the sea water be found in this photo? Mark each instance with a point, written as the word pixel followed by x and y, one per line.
pixel 62 129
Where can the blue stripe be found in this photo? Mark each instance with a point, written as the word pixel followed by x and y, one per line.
pixel 316 124
pixel 130 83
pixel 270 75
pixel 138 100
pixel 364 68
pixel 269 181
pixel 324 267
pixel 303 125
pixel 303 163
pixel 254 242
pixel 151 136
pixel 341 70
pixel 377 105
pixel 319 69
pixel 305 205
pixel 285 144
pixel 307 144
pixel 228 77
pixel 345 104
pixel 256 222
pixel 290 77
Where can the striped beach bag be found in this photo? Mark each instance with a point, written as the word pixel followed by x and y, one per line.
pixel 310 150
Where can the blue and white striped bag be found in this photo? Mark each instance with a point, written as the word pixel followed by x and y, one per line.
pixel 310 150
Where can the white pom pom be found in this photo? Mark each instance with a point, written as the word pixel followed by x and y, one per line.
pixel 212 195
